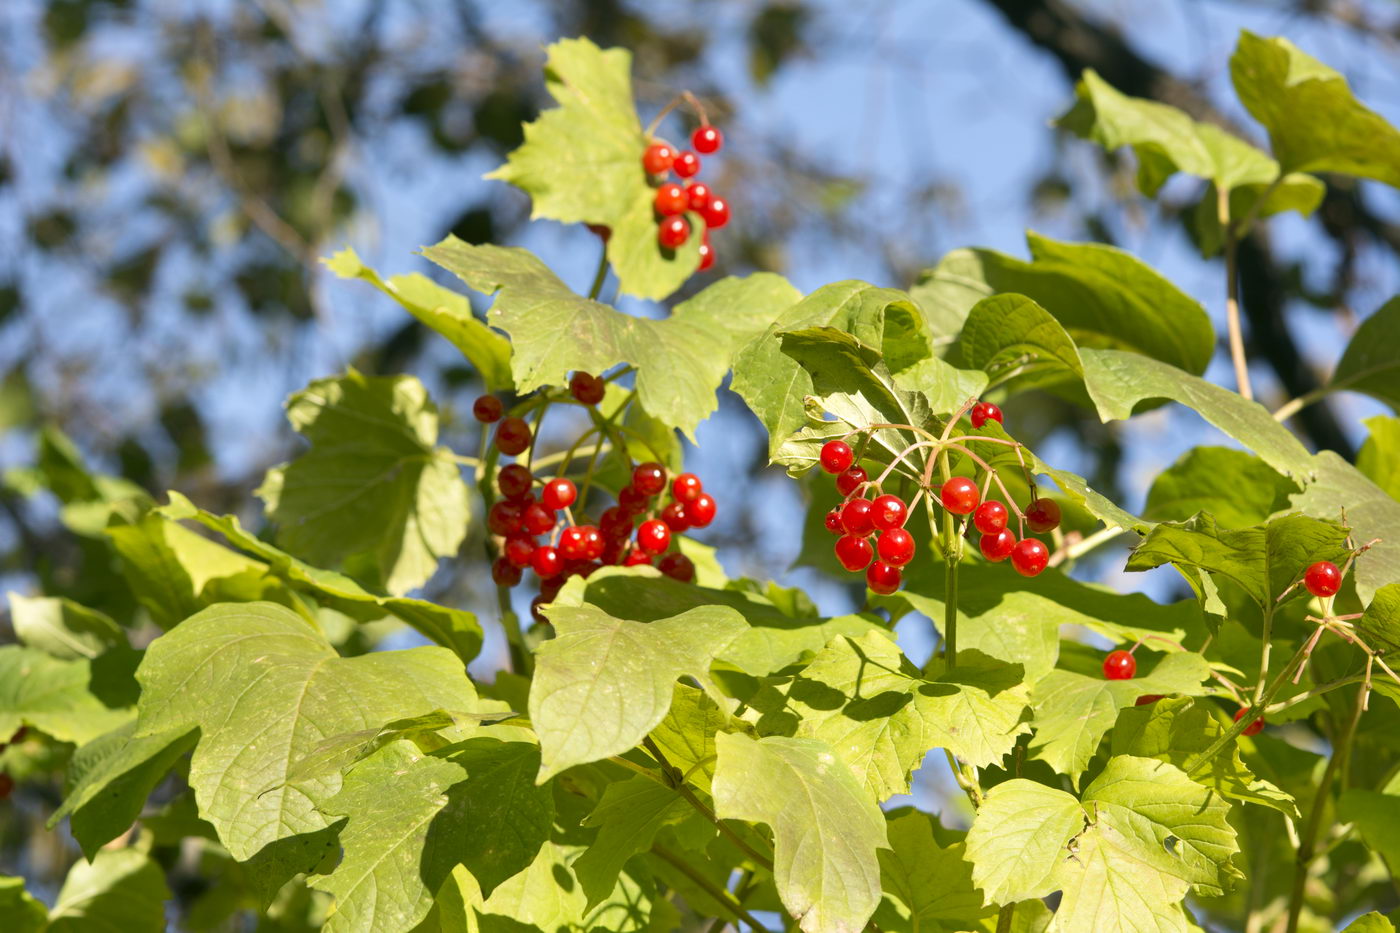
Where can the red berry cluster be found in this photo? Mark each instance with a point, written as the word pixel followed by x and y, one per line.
pixel 513 435
pixel 674 200
pixel 858 519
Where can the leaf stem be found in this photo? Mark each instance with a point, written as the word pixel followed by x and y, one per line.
pixel 1264 651
pixel 678 784
pixel 521 661
pixel 1232 304
pixel 1293 406
pixel 1005 917
pixel 1229 735
pixel 952 554
pixel 600 276
pixel 720 896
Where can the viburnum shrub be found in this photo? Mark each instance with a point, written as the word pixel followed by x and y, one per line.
pixel 671 747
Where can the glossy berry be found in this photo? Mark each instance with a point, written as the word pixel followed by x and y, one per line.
pixel 573 544
pixel 707 253
pixel 658 158
pixel 653 536
pixel 677 566
pixel 851 480
pixel 1029 557
pixel 896 547
pixel 546 561
pixel 686 487
pixel 593 542
pixel 990 517
pixel 513 436
pixel 837 457
pixel 883 578
pixel 613 550
pixel 558 493
pixel 833 521
pixel 636 557
pixel 716 213
pixel 616 523
pixel 649 477
pixel 687 164
pixel 697 195
pixel 983 412
pixel 518 550
pixel 853 553
pixel 707 139
pixel 701 511
pixel 670 200
pixel 503 518
pixel 1255 727
pixel 633 500
pixel 959 495
pixel 514 481
pixel 997 547
pixel 856 517
pixel 1043 515
pixel 587 388
pixel 674 515
pixel 1119 665
pixel 1323 579
pixel 1147 699
pixel 487 409
pixel 888 511
pixel 504 573
pixel 537 520
pixel 673 232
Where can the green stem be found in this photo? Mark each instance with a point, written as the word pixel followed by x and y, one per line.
pixel 1229 735
pixel 1293 406
pixel 678 784
pixel 1006 917
pixel 952 554
pixel 720 896
pixel 600 276
pixel 1264 652
pixel 521 661
pixel 1307 845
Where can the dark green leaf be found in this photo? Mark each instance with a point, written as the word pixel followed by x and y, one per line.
pixel 1370 363
pixel 1234 486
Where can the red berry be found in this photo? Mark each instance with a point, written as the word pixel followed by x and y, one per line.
pixel 653 536
pixel 673 232
pixel 853 553
pixel 546 561
pixel 883 578
pixel 549 588
pixel 677 566
pixel 1029 557
pixel 537 520
pixel 851 480
pixel 586 388
pixel 504 518
pixel 487 409
pixel 514 481
pixel 1255 727
pixel 636 557
pixel 716 213
pixel 512 436
pixel 686 487
pixel 701 512
pixel 1147 699
pixel 658 158
pixel 896 547
pixel 959 495
pixel 518 550
pixel 833 521
pixel 1323 579
pixel 504 573
pixel 707 253
pixel 707 139
pixel 856 517
pixel 601 231
pixel 983 412
pixel 1043 515
pixel 559 493
pixel 990 517
pixel 687 164
pixel 649 478
pixel 632 500
pixel 670 200
pixel 573 543
pixel 593 542
pixel 997 547
pixel 888 511
pixel 837 457
pixel 674 515
pixel 697 195
pixel 1119 665
pixel 616 523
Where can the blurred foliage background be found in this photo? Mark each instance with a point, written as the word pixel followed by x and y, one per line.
pixel 171 172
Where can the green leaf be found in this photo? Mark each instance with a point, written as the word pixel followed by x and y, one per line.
pixel 603 683
pixel 1018 343
pixel 1369 363
pixel 594 134
pixel 1379 457
pixel 1294 192
pixel 120 889
pixel 680 360
pixel 1264 560
pixel 826 829
pixel 56 696
pixel 628 819
pixel 1019 838
pixel 1109 885
pixel 1373 516
pixel 265 689
pixel 455 629
pixel 372 492
pixel 1376 817
pixel 976 709
pixel 925 884
pixel 1380 624
pixel 1073 711
pixel 63 628
pixel 440 309
pixel 22 913
pixel 1277 81
pixel 686 736
pixel 1373 922
pixel 110 778
pixel 1234 486
pixel 1102 296
pixel 339 753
